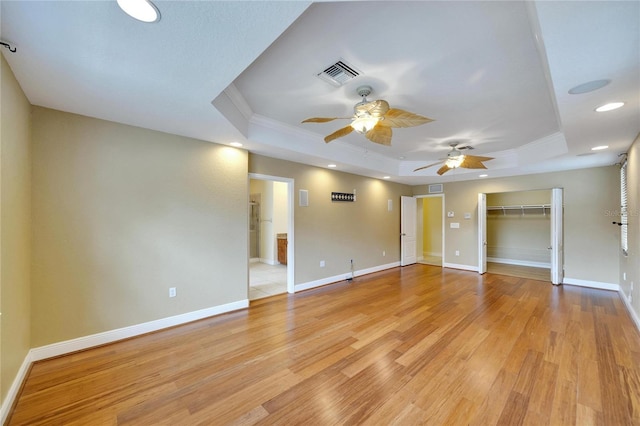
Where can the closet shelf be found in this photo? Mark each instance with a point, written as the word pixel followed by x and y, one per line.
pixel 523 208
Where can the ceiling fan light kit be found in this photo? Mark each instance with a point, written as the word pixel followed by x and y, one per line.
pixel 456 159
pixel 374 119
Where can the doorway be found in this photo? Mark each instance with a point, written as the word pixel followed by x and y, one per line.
pixel 520 234
pixel 430 216
pixel 270 236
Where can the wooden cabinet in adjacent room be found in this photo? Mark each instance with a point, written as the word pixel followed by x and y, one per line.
pixel 282 248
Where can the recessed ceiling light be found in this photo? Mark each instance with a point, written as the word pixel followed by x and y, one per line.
pixel 386 177
pixel 588 87
pixel 401 157
pixel 599 148
pixel 609 107
pixel 142 10
pixel 236 144
pixel 332 166
pixel 483 175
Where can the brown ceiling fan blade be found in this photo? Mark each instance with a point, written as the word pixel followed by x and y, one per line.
pixel 375 108
pixel 426 167
pixel 339 133
pixel 400 118
pixel 474 162
pixel 478 158
pixel 380 134
pixel 324 119
pixel 442 170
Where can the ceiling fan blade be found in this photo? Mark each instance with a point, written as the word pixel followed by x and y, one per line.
pixel 339 133
pixel 426 167
pixel 444 169
pixel 474 162
pixel 400 118
pixel 478 158
pixel 324 119
pixel 375 108
pixel 380 134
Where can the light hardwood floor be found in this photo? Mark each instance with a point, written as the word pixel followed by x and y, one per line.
pixel 412 345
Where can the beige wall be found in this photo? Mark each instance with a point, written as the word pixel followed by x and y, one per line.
pixel 338 231
pixel 630 264
pixel 120 214
pixel 591 242
pixel 15 227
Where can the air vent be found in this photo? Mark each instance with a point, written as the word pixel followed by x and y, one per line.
pixel 339 73
pixel 435 188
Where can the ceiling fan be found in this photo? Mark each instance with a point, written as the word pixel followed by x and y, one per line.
pixel 374 119
pixel 456 158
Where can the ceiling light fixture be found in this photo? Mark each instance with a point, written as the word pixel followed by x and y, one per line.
pixel 332 166
pixel 610 106
pixel 236 144
pixel 599 148
pixel 483 175
pixel 142 10
pixel 386 177
pixel 454 162
pixel 364 123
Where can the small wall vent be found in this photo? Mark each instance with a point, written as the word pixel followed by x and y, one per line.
pixel 339 73
pixel 435 188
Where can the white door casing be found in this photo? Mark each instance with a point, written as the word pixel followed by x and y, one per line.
pixel 557 240
pixel 482 233
pixel 408 228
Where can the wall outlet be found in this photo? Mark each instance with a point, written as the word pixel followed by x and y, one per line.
pixel 624 276
pixel 322 263
pixel 172 292
pixel 384 253
pixel 457 252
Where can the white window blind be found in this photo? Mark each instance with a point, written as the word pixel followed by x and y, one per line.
pixel 623 208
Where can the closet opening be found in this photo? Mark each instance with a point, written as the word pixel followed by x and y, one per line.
pixel 518 234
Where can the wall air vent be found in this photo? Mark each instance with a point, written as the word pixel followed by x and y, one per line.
pixel 435 188
pixel 339 73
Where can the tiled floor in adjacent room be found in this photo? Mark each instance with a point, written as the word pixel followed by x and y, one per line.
pixel 266 280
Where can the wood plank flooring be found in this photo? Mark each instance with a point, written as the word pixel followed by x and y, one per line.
pixel 542 274
pixel 412 345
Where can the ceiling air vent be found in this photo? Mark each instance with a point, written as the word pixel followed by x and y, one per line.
pixel 338 73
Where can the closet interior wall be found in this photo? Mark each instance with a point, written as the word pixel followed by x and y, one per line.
pixel 519 228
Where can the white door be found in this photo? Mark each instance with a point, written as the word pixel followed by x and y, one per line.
pixel 482 233
pixel 557 241
pixel 408 207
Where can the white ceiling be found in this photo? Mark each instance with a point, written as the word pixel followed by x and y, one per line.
pixel 494 75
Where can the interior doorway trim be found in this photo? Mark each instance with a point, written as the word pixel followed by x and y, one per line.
pixel 443 220
pixel 290 228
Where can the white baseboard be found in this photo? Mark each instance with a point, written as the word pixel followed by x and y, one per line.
pixel 344 276
pixel 269 261
pixel 632 312
pixel 12 393
pixel 463 267
pixel 519 262
pixel 591 284
pixel 61 348
pixel 86 342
